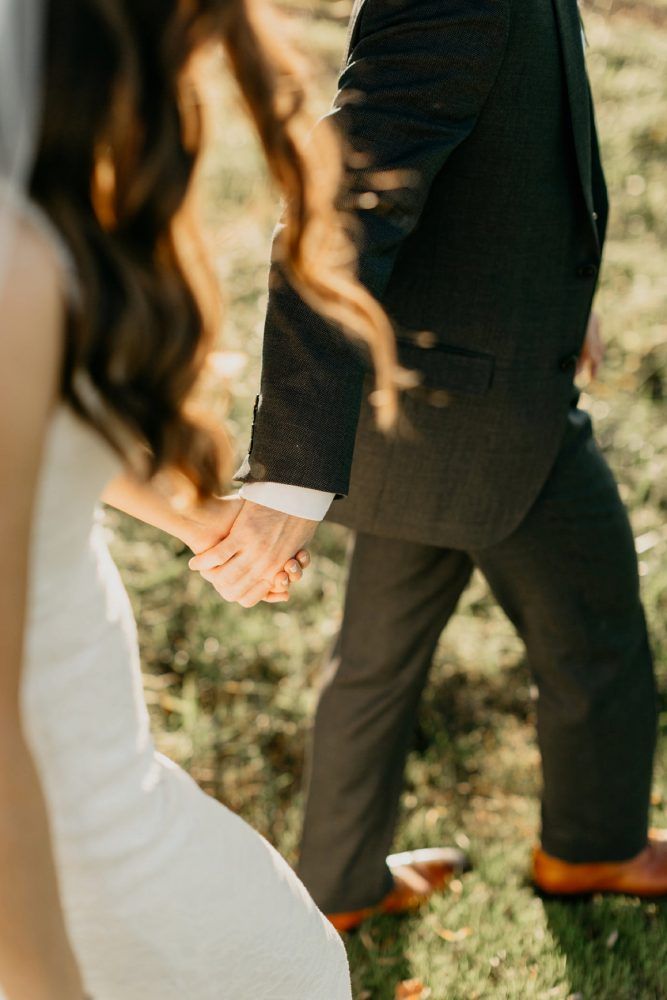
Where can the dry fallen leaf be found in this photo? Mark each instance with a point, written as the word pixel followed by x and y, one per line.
pixel 612 939
pixel 448 935
pixel 412 989
pixel 367 940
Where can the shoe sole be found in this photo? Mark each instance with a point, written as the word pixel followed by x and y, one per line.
pixel 458 860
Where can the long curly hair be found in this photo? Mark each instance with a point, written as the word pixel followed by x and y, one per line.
pixel 121 137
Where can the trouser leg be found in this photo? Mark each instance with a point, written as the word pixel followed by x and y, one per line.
pixel 399 598
pixel 567 577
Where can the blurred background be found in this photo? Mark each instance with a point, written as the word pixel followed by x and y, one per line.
pixel 231 692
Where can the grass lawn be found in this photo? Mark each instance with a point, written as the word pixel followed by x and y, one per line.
pixel 231 692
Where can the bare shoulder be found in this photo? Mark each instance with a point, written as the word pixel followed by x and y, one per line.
pixel 33 281
pixel 32 302
pixel 32 313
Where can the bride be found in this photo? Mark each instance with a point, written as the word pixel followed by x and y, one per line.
pixel 119 878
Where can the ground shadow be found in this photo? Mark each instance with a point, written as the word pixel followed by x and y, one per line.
pixel 616 948
pixel 377 957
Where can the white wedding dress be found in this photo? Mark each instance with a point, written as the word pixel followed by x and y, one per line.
pixel 167 894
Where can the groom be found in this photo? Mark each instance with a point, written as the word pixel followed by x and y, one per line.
pixel 486 256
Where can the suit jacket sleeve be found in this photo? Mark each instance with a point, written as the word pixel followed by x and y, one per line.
pixel 416 77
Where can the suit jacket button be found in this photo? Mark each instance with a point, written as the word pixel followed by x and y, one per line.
pixel 587 270
pixel 567 363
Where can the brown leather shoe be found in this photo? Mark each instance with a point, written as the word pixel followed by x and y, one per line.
pixel 644 875
pixel 417 875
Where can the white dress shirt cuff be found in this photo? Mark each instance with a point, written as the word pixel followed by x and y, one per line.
pixel 299 501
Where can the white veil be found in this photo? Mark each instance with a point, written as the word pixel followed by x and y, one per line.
pixel 21 38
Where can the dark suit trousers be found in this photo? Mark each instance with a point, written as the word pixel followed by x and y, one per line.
pixel 567 578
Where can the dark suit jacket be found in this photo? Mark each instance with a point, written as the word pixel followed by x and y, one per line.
pixel 486 256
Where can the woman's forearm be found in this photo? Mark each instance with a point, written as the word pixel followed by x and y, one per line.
pixel 198 527
pixel 36 959
pixel 143 501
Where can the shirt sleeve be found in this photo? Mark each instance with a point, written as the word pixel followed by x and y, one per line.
pixel 298 501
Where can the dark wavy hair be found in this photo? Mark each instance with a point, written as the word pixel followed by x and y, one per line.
pixel 120 142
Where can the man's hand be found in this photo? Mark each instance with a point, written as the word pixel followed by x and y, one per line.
pixel 260 546
pixel 592 351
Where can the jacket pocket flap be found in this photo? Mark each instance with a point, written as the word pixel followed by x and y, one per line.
pixel 453 368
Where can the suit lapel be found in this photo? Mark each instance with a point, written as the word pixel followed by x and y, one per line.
pixel 569 26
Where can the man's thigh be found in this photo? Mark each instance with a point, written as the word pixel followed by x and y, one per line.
pixel 400 596
pixel 568 575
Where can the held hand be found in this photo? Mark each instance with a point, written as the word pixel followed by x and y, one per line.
pixel 210 522
pixel 292 573
pixel 243 566
pixel 593 349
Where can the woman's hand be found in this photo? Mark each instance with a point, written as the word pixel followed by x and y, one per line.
pixel 292 573
pixel 209 522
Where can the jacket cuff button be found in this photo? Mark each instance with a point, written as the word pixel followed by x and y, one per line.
pixel 587 270
pixel 568 363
